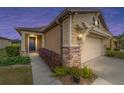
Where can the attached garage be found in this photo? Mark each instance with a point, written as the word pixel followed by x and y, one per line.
pixel 92 48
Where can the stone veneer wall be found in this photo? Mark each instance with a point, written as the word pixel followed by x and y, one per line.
pixel 72 56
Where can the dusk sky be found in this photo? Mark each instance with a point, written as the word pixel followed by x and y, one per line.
pixel 36 17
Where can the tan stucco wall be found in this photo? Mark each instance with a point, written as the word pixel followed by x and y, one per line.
pixel 4 43
pixel 78 19
pixel 53 39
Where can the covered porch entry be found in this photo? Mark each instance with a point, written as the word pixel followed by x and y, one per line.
pixel 31 42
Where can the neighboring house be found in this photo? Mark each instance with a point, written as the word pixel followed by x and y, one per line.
pixel 113 43
pixel 77 34
pixel 4 42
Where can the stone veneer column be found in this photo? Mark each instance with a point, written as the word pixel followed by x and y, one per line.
pixel 72 56
pixel 71 53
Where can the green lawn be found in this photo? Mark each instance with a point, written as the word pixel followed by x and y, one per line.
pixel 2 53
pixel 16 75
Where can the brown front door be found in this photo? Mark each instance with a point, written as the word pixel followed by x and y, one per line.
pixel 32 44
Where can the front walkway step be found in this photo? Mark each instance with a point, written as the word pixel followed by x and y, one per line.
pixel 41 72
pixel 100 81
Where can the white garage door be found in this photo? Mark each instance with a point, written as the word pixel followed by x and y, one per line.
pixel 92 48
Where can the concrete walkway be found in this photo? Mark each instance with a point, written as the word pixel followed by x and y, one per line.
pixel 41 72
pixel 101 81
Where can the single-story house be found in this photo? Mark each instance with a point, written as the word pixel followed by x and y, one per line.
pixel 4 42
pixel 77 34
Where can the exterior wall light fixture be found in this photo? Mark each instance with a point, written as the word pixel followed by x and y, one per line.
pixel 80 36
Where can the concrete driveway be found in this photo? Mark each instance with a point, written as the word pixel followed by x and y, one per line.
pixel 110 69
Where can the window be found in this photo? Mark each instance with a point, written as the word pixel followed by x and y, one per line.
pixel 95 22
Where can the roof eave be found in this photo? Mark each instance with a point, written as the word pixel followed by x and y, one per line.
pixel 5 38
pixel 105 35
pixel 64 13
pixel 19 30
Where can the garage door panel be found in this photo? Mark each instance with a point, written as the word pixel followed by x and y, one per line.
pixel 92 48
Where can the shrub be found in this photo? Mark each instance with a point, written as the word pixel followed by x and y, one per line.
pixel 86 72
pixel 52 59
pixel 75 72
pixel 117 54
pixel 60 71
pixel 15 60
pixel 12 50
pixel 22 60
pixel 116 49
pixel 108 48
pixel 7 61
pixel 109 53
